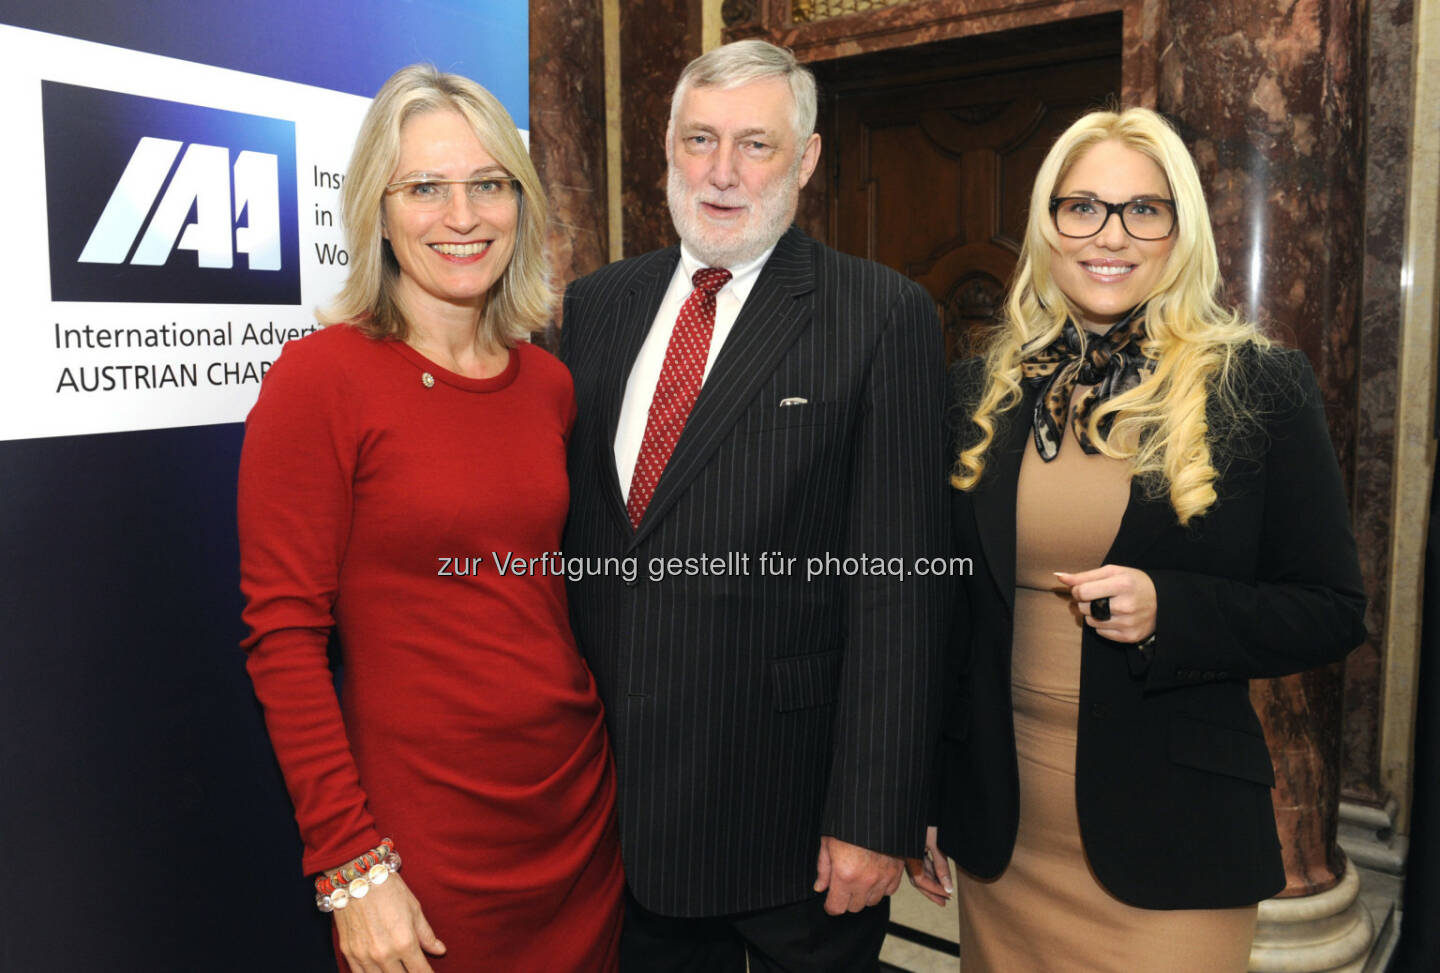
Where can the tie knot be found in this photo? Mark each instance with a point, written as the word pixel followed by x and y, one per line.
pixel 710 280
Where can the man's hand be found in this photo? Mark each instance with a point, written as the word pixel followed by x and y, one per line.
pixel 931 875
pixel 855 876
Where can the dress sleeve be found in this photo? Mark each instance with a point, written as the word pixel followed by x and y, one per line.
pixel 1305 606
pixel 295 498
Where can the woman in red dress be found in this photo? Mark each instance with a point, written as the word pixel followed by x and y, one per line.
pixel 402 488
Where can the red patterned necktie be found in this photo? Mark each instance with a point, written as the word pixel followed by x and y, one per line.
pixel 677 389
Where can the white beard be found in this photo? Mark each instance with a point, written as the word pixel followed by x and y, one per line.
pixel 732 245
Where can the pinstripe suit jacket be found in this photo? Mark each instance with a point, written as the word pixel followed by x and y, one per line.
pixel 751 713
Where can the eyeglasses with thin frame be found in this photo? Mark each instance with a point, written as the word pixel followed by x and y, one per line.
pixel 483 191
pixel 1078 217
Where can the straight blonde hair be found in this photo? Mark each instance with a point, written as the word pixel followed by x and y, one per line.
pixel 520 302
pixel 1162 426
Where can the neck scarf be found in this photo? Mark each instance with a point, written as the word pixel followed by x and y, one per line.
pixel 1111 362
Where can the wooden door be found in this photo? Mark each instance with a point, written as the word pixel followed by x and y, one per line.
pixel 932 159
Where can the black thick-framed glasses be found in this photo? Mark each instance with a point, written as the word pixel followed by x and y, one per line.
pixel 1079 217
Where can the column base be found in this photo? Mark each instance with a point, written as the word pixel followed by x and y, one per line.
pixel 1331 932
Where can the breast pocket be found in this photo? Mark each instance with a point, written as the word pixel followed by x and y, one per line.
pixel 797 415
pixel 1220 750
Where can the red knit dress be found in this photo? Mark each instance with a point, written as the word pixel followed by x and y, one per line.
pixel 376 492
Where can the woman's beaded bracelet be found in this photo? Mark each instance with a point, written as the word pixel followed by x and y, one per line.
pixel 336 877
pixel 334 889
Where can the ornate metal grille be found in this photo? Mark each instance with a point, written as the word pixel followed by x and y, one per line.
pixel 807 11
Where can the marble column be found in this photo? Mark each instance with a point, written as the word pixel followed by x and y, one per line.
pixel 567 132
pixel 1268 94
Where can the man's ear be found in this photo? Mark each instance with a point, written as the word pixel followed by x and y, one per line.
pixel 809 158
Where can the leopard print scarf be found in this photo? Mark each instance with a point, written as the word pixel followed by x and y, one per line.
pixel 1111 362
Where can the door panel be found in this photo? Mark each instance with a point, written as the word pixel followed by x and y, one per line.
pixel 934 179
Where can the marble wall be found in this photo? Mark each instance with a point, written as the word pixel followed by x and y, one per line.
pixel 1387 135
pixel 567 133
pixel 657 39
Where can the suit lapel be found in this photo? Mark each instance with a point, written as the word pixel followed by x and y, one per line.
pixel 773 317
pixel 634 313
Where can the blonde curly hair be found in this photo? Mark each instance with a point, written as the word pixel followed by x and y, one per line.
pixel 1162 426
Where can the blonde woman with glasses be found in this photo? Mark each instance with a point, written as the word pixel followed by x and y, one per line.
pixel 402 490
pixel 1152 487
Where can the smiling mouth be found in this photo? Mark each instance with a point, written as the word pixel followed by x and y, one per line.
pixel 461 249
pixel 1109 270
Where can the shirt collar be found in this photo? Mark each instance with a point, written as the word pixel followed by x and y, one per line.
pixel 742 278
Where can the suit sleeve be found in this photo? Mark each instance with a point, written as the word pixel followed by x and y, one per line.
pixel 887 712
pixel 963 388
pixel 296 469
pixel 1306 606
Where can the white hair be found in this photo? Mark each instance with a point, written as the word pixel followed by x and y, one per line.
pixel 742 62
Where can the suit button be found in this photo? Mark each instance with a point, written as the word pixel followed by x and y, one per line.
pixel 1099 711
pixel 632 582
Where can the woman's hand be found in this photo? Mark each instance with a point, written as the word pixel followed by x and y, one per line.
pixel 931 875
pixel 1132 600
pixel 386 931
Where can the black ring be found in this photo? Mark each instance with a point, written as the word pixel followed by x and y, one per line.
pixel 1100 609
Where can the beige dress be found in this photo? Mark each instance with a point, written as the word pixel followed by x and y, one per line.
pixel 1046 911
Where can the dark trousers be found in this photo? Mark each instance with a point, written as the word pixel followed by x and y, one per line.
pixel 796 938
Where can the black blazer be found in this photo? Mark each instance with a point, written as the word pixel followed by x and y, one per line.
pixel 750 714
pixel 1172 774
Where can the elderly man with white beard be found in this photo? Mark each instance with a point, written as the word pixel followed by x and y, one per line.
pixel 759 427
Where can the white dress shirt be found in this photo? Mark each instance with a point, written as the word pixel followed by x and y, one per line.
pixel 645 373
